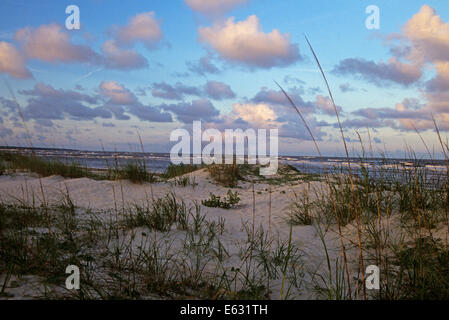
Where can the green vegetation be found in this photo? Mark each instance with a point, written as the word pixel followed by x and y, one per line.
pixel 228 202
pixel 301 210
pixel 139 254
pixel 400 219
pixel 135 172
pixel 44 167
pixel 185 181
pixel 225 174
pixel 164 213
pixel 175 170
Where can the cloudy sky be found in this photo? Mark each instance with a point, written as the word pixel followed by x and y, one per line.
pixel 153 66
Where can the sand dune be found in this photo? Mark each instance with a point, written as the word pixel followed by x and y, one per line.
pixel 105 196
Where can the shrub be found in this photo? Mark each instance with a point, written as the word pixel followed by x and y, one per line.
pixel 228 202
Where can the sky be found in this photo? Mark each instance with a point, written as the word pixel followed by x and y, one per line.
pixel 149 67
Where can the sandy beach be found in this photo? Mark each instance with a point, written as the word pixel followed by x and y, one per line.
pixel 110 199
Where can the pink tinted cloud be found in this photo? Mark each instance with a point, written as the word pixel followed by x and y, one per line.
pixel 428 35
pixel 245 43
pixel 51 43
pixel 144 27
pixel 12 61
pixel 117 93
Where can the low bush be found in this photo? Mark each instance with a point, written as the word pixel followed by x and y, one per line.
pixel 228 202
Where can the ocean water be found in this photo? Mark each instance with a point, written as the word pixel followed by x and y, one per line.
pixel 158 162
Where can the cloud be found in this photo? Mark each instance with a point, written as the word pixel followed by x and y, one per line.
pixel 277 97
pixel 289 80
pixel 117 93
pixel 324 104
pixel 218 90
pixel 381 74
pixel 41 123
pixel 51 44
pixel 407 113
pixel 9 105
pixel 213 7
pixel 201 109
pixel 176 92
pixel 366 123
pixel 143 27
pixel 441 81
pixel 43 90
pixel 121 101
pixel 263 116
pixel 149 113
pixel 212 89
pixel 46 102
pixel 314 90
pixel 118 111
pixel 203 66
pixel 122 59
pixel 12 61
pixel 429 36
pixel 407 109
pixel 346 87
pixel 245 43
pixel 5 132
pixel 258 115
pixel 424 43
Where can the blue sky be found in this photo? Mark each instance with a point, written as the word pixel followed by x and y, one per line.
pixel 99 84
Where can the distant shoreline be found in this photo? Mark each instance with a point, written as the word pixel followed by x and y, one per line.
pixel 167 153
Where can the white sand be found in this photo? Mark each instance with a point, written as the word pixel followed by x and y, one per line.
pixel 99 195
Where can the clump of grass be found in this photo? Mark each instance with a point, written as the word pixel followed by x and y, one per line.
pixel 301 210
pixel 414 270
pixel 424 270
pixel 135 172
pixel 27 247
pixel 228 202
pixel 175 170
pixel 185 181
pixel 225 174
pixel 162 215
pixel 18 217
